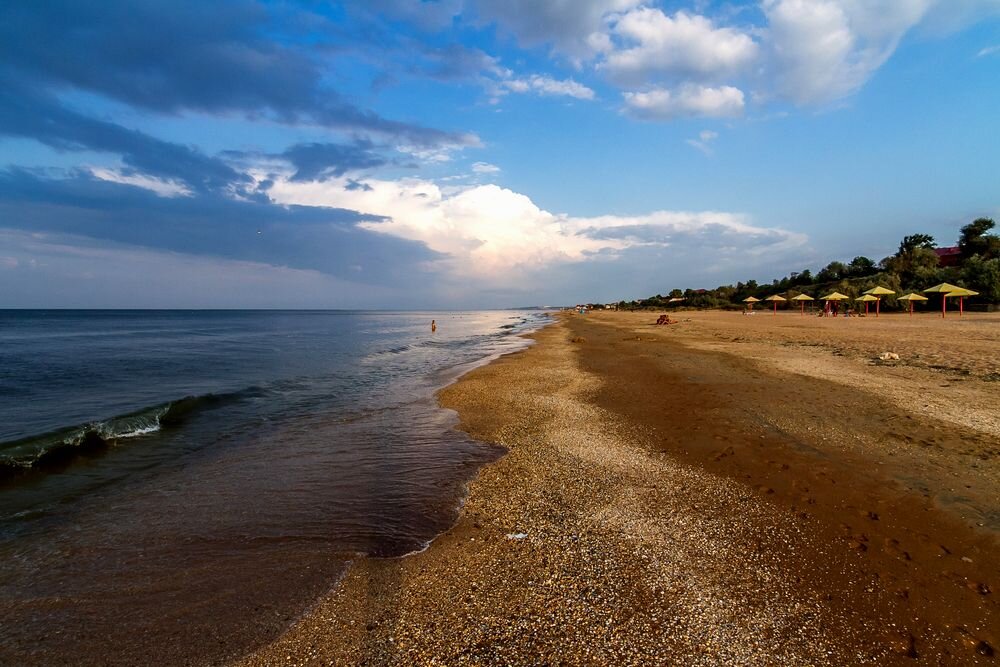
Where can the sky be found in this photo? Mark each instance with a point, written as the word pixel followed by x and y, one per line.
pixel 451 154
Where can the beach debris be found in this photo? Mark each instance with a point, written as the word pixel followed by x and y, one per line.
pixel 577 339
pixel 888 356
pixel 516 536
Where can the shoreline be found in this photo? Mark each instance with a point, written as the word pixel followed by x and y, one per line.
pixel 640 549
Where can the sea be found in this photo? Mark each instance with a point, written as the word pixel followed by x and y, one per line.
pixel 177 487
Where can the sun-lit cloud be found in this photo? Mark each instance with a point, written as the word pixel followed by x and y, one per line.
pixel 493 235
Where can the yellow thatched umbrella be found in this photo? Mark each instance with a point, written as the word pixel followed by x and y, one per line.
pixel 867 298
pixel 878 292
pixel 943 290
pixel 751 300
pixel 833 296
pixel 802 298
pixel 911 298
pixel 775 298
pixel 961 293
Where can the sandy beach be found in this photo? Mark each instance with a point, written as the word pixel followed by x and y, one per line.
pixel 726 490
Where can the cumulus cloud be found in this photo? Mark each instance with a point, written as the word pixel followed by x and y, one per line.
pixel 494 237
pixel 684 46
pixel 687 101
pixel 485 168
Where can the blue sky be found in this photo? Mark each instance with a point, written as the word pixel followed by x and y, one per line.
pixel 479 153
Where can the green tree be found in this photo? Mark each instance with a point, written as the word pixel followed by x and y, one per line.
pixel 974 239
pixel 915 263
pixel 832 271
pixel 861 266
pixel 914 241
pixel 983 275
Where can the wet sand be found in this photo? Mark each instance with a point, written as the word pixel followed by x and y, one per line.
pixel 726 490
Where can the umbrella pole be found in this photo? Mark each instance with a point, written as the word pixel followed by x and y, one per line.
pixel 960 300
pixel 911 308
pixel 866 309
pixel 944 305
pixel 877 304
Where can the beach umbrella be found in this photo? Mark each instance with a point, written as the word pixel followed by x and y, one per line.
pixel 943 290
pixel 961 293
pixel 833 296
pixel 911 298
pixel 867 298
pixel 775 298
pixel 802 298
pixel 751 300
pixel 878 292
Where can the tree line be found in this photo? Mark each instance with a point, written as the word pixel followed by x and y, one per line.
pixel 915 266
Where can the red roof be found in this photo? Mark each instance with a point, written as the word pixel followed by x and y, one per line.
pixel 948 256
pixel 947 252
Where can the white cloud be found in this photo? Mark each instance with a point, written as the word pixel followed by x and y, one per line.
pixel 495 238
pixel 703 142
pixel 687 101
pixel 823 50
pixel 485 168
pixel 988 51
pixel 441 152
pixel 545 85
pixel 684 46
pixel 161 187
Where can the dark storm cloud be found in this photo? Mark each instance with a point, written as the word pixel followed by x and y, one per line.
pixel 303 237
pixel 172 56
pixel 317 161
pixel 27 113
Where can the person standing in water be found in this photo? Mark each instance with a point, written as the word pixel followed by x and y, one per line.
pixel 434 326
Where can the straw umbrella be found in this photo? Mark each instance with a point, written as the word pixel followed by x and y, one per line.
pixel 911 298
pixel 961 293
pixel 878 292
pixel 833 296
pixel 867 298
pixel 751 300
pixel 802 298
pixel 943 290
pixel 775 298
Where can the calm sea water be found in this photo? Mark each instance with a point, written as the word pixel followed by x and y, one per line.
pixel 183 484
